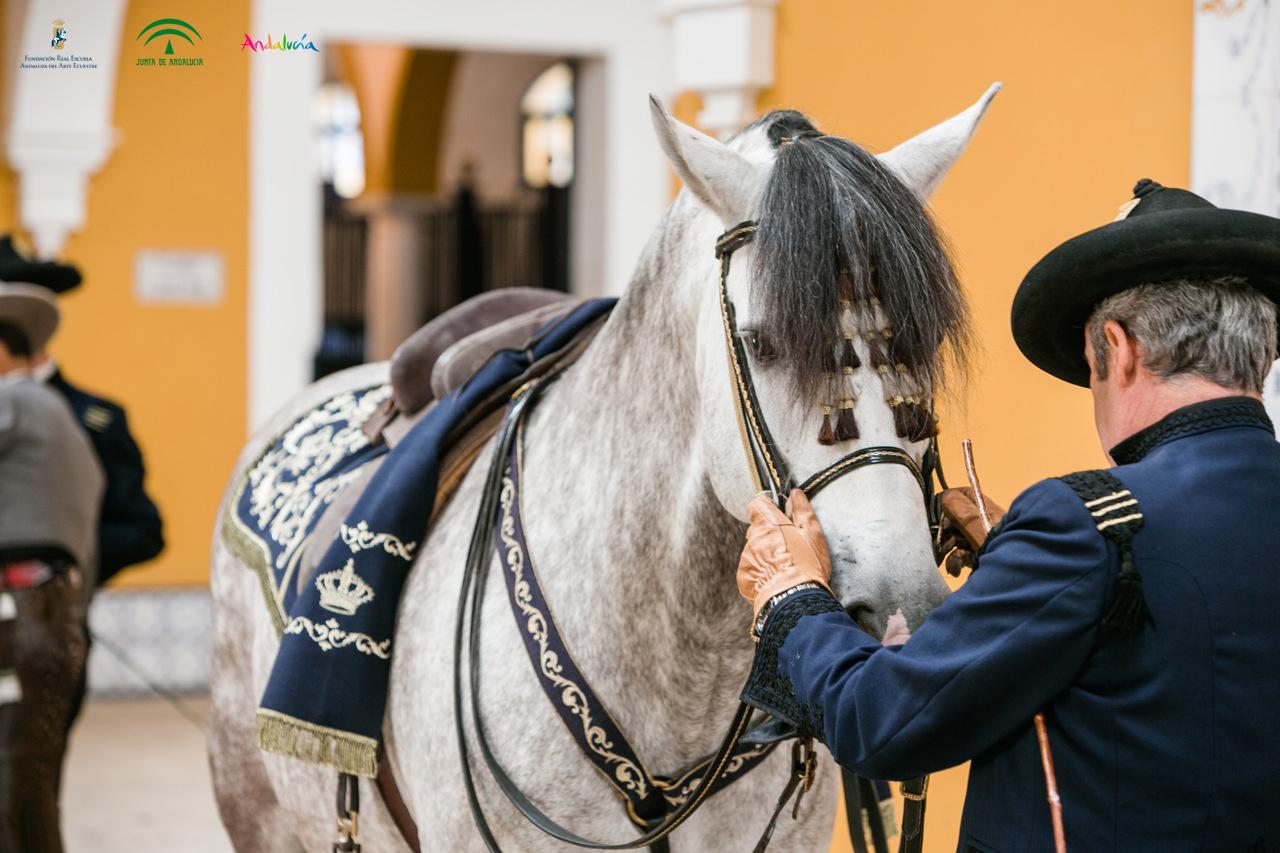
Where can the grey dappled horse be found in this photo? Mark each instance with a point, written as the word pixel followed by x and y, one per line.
pixel 635 500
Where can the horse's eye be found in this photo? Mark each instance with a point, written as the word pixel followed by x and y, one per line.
pixel 757 346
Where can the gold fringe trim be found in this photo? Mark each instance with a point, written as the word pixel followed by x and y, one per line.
pixel 253 552
pixel 285 735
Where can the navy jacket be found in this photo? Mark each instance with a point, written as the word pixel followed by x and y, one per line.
pixel 129 529
pixel 1169 741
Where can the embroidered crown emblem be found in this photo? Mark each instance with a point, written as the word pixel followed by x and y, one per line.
pixel 343 591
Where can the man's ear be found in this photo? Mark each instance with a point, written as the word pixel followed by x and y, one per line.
pixel 1124 356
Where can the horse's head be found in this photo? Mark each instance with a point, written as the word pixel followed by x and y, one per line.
pixel 850 313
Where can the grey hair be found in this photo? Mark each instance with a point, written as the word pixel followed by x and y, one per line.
pixel 1220 329
pixel 830 210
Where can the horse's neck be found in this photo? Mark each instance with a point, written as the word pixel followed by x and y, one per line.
pixel 636 556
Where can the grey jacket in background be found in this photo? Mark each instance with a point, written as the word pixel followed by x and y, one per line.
pixel 50 480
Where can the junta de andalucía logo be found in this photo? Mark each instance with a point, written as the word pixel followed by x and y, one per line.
pixel 165 31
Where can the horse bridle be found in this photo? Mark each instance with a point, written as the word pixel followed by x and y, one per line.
pixel 769 472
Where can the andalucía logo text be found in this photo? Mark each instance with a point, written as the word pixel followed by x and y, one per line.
pixel 285 43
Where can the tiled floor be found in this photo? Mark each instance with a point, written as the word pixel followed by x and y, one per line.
pixel 137 781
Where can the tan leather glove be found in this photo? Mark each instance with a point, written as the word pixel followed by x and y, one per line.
pixel 782 552
pixel 964 533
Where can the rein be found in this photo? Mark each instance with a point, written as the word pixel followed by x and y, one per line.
pixel 657 805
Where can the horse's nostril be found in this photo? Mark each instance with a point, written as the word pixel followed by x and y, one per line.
pixel 860 612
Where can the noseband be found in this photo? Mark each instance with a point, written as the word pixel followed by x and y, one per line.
pixel 769 470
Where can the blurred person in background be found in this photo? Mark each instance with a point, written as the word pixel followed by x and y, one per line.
pixel 129 529
pixel 51 487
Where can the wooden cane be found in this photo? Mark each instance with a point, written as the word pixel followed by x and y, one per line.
pixel 1042 729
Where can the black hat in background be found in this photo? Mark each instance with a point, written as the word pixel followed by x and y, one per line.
pixel 1162 234
pixel 16 267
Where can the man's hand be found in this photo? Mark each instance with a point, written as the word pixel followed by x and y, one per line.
pixel 963 532
pixel 782 551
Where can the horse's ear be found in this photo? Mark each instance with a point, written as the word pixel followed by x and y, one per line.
pixel 923 160
pixel 723 179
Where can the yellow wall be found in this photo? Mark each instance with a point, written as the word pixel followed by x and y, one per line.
pixel 1097 94
pixel 177 180
pixel 377 73
pixel 402 95
pixel 419 133
pixel 8 189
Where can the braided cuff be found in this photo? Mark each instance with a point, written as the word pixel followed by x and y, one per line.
pixel 767 688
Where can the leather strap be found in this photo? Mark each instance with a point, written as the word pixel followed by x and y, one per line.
pixel 913 802
pixel 860 459
pixel 474 578
pixel 466 443
pixel 648 796
pixel 802 769
pixel 875 818
pixel 396 806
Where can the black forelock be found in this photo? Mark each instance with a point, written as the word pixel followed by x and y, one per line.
pixel 831 209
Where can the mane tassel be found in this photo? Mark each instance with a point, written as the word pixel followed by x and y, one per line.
pixel 846 424
pixel 826 435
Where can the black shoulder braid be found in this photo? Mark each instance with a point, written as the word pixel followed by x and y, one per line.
pixel 1117 516
pixel 766 688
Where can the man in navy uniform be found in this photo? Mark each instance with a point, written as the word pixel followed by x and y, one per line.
pixel 130 530
pixel 1139 607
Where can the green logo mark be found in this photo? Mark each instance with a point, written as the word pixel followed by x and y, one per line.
pixel 162 27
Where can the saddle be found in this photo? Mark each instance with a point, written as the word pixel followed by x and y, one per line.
pixel 435 361
pixel 444 353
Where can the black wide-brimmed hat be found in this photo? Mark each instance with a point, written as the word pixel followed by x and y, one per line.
pixel 15 266
pixel 1163 234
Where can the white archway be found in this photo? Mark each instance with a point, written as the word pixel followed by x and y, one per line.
pixel 621 49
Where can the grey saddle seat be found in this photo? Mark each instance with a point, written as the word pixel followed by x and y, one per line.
pixel 444 353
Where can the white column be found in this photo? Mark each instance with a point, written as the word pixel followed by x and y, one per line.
pixel 1235 135
pixel 723 50
pixel 286 290
pixel 60 131
pixel 394 279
